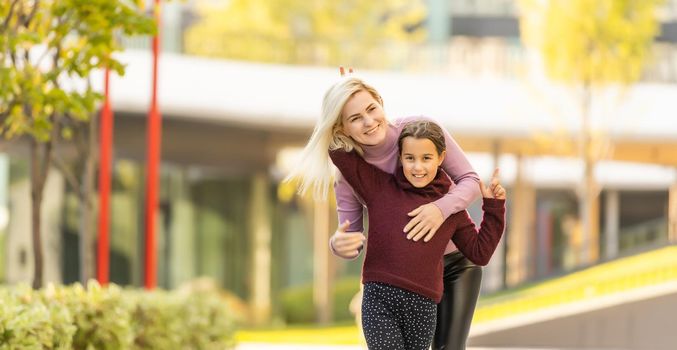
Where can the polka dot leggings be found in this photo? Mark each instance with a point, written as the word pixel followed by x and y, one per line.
pixel 397 319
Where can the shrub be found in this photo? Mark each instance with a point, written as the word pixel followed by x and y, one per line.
pixel 73 317
pixel 344 291
pixel 26 322
pixel 101 315
pixel 298 307
pixel 207 323
pixel 297 304
pixel 156 320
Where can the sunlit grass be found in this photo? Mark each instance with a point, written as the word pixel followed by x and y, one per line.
pixel 339 335
pixel 642 270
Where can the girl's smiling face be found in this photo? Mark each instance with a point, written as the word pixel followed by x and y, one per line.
pixel 420 160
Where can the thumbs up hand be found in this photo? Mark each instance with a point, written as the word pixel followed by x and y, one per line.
pixel 495 190
pixel 347 244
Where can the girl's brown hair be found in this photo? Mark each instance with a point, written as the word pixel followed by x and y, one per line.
pixel 424 129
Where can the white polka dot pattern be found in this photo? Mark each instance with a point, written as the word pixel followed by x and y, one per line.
pixel 397 319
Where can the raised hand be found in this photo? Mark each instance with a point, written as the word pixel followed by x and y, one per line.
pixel 495 190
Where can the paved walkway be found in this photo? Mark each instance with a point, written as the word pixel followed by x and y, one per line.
pixel 263 346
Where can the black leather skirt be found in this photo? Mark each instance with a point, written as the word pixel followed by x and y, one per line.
pixel 462 281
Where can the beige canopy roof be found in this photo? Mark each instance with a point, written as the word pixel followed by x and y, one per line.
pixel 483 114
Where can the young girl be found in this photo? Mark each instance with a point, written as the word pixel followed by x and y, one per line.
pixel 403 278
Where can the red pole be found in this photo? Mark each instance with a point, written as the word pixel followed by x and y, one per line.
pixel 153 160
pixel 105 149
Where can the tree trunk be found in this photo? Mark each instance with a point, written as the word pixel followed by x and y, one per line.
pixel 40 159
pixel 87 246
pixel 587 195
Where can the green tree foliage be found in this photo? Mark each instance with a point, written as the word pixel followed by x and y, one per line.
pixel 323 32
pixel 590 45
pixel 48 49
pixel 591 42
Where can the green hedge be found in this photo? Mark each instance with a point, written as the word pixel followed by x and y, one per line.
pixel 297 301
pixel 72 317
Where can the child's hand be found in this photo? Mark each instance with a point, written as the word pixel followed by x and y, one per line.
pixel 495 190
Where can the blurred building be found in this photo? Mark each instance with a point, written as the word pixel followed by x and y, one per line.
pixel 481 38
pixel 227 127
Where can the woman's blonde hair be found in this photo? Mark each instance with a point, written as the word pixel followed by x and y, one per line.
pixel 314 169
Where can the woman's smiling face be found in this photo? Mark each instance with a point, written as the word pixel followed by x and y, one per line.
pixel 363 119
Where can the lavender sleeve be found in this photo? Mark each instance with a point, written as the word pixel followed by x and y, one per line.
pixel 457 166
pixel 348 206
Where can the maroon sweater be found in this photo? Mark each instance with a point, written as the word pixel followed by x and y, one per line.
pixel 393 259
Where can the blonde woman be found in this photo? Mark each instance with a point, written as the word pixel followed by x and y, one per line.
pixel 353 119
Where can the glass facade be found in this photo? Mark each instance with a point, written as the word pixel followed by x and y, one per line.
pixel 484 7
